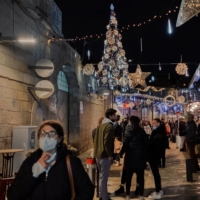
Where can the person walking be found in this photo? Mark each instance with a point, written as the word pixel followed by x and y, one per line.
pixel 182 128
pixel 135 145
pixel 103 150
pixel 45 175
pixel 155 151
pixel 190 139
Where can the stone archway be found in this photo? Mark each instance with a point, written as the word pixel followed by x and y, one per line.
pixel 73 105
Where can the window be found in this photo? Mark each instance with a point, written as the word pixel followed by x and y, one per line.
pixel 62 82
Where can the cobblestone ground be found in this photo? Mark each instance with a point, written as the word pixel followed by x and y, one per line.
pixel 174 183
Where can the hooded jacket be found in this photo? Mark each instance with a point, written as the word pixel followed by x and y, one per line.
pixel 104 140
pixel 57 185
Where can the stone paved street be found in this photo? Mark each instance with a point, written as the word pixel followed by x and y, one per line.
pixel 174 183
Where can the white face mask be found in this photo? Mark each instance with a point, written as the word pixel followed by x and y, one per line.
pixel 46 143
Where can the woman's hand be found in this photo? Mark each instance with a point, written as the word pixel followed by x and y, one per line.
pixel 45 156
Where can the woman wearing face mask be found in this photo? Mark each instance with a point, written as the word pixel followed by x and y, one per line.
pixel 155 152
pixel 44 175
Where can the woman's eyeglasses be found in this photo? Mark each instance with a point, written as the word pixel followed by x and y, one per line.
pixel 50 134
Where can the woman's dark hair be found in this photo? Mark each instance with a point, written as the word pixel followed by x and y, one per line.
pixel 158 120
pixel 56 125
pixel 162 125
pixel 135 120
pixel 110 112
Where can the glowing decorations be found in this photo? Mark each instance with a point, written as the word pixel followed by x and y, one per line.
pixel 111 63
pixel 104 80
pixel 151 87
pixel 116 32
pixel 181 99
pixel 111 40
pixel 169 27
pixel 88 69
pixel 181 68
pixel 100 65
pixel 88 53
pixel 123 81
pixel 114 68
pixel 169 100
pixel 138 78
pixel 148 102
pixel 188 9
pixel 108 34
pixel 113 82
pixel 114 48
pixel 160 68
pixel 115 72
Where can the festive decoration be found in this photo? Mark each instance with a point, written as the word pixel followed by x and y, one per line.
pixel 113 69
pixel 172 92
pixel 181 68
pixel 181 99
pixel 138 78
pixel 151 87
pixel 124 28
pixel 88 69
pixel 169 100
pixel 148 102
pixel 188 9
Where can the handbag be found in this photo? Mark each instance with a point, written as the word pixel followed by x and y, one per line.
pixel 71 179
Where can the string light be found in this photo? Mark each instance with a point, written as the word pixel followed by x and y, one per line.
pixel 120 30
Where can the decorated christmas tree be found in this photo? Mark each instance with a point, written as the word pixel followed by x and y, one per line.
pixel 113 69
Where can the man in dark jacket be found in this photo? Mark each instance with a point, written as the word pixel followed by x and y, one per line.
pixel 118 129
pixel 182 128
pixel 103 150
pixel 190 139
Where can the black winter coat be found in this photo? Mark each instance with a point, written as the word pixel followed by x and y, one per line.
pixel 135 146
pixel 57 186
pixel 157 144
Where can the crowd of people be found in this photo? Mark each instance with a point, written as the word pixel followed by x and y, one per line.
pixel 52 172
pixel 139 143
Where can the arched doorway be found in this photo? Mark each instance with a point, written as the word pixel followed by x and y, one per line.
pixel 62 100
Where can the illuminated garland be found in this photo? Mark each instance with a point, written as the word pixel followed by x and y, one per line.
pixel 129 26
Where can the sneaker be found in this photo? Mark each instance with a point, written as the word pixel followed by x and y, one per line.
pixel 141 198
pixel 161 193
pixel 120 190
pixel 127 198
pixel 155 195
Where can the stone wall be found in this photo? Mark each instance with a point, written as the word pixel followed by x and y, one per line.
pixel 17 106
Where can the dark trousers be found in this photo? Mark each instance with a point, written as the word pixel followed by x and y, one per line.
pixel 156 174
pixel 162 160
pixel 123 178
pixel 191 149
pixel 140 179
pixel 167 142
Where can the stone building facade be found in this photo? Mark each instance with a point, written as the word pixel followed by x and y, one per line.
pixel 41 20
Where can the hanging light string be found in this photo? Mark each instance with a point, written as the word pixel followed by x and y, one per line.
pixel 123 29
pixel 159 64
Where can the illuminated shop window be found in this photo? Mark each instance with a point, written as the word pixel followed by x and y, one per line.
pixel 62 82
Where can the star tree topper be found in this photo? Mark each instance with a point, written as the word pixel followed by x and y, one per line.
pixel 138 78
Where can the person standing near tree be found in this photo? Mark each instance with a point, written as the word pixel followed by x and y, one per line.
pixel 103 150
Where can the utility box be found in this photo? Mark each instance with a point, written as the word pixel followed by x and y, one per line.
pixel 24 137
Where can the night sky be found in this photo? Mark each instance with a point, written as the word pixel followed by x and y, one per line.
pixel 89 17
